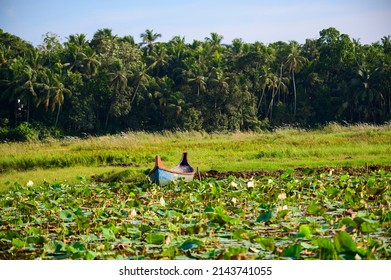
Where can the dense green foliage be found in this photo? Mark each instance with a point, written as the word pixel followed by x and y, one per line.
pixel 110 83
pixel 291 216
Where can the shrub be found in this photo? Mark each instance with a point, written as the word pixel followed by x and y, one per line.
pixel 4 134
pixel 45 132
pixel 23 132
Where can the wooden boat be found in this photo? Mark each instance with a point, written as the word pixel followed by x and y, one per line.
pixel 163 176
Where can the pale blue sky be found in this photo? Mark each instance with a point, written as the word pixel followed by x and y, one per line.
pixel 263 20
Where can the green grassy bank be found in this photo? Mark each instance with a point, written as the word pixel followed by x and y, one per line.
pixel 132 153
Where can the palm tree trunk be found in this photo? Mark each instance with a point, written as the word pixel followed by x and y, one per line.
pixel 270 109
pixel 134 95
pixel 294 91
pixel 279 83
pixel 260 99
pixel 58 114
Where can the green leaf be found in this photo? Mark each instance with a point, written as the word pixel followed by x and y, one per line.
pixel 292 251
pixel 343 242
pixel 314 209
pixel 170 252
pixel 66 215
pixel 35 240
pixel 155 238
pixel 347 222
pixel 265 216
pixel 368 227
pixel 125 240
pixel 386 217
pixel 304 231
pixel 333 191
pixel 216 191
pixel 212 254
pixel 190 244
pixel 108 234
pixel 266 243
pixel 90 255
pixel 79 246
pixel 308 246
pixel 326 249
pixel 233 251
pixel 241 234
pixel 371 181
pixel 282 213
pixel 287 173
pixel 343 178
pixel 145 228
pixel 18 243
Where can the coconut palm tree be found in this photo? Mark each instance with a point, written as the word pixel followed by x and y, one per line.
pixel 79 40
pixel 54 92
pixel 272 86
pixel 100 38
pixel 118 78
pixel 196 77
pixel 149 38
pixel 21 84
pixel 214 40
pixel 159 57
pixel 90 62
pixel 265 82
pixel 141 80
pixel 368 99
pixel 295 63
pixel 177 47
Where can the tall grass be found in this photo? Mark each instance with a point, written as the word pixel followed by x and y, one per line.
pixel 280 149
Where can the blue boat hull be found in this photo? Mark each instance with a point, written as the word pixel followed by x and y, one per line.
pixel 164 177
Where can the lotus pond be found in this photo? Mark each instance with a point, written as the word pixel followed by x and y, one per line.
pixel 310 215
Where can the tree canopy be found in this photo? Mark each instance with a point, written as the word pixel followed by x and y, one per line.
pixel 111 83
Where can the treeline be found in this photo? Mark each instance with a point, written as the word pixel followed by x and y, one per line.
pixel 112 83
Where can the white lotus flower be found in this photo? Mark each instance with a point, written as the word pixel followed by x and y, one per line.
pixel 133 213
pixel 162 202
pixel 283 207
pixel 282 196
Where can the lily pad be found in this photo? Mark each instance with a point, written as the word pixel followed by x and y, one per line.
pixel 155 238
pixel 190 244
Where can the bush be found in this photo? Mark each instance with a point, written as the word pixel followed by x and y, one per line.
pixel 4 134
pixel 45 132
pixel 23 132
pixel 28 132
pixel 192 120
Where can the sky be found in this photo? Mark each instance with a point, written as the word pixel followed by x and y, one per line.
pixel 265 21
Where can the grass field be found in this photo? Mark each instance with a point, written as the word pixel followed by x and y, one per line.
pixel 90 198
pixel 129 155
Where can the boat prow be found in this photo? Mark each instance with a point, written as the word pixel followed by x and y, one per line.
pixel 163 176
